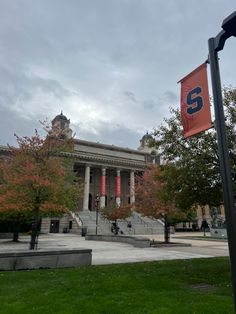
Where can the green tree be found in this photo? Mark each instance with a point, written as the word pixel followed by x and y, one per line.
pixel 37 181
pixel 196 158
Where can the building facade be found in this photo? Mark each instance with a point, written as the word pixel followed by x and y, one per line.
pixel 107 172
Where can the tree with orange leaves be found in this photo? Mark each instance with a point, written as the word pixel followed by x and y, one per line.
pixel 156 196
pixel 114 212
pixel 37 180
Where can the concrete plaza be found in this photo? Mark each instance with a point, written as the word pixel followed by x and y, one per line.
pixel 111 252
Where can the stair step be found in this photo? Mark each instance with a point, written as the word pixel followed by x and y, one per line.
pixel 140 224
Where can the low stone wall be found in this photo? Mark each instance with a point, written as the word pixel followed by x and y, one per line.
pixel 6 235
pixel 136 241
pixel 45 259
pixel 219 233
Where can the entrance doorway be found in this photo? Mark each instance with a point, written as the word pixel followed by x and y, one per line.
pixel 54 226
pixel 90 204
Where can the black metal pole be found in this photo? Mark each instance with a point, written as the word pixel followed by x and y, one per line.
pixel 224 160
pixel 96 219
pixel 96 207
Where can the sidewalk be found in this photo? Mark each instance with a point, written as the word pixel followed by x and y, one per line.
pixel 110 252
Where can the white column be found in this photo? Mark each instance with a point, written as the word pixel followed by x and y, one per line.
pixel 118 188
pixel 132 187
pixel 103 188
pixel 86 187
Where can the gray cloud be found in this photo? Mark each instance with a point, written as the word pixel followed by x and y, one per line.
pixel 12 123
pixel 171 96
pixel 110 65
pixel 130 96
pixel 110 133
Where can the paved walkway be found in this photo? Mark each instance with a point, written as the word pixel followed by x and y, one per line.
pixel 110 252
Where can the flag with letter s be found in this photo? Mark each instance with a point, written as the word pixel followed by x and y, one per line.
pixel 195 102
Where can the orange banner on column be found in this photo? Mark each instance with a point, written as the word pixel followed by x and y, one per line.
pixel 118 186
pixel 195 102
pixel 103 186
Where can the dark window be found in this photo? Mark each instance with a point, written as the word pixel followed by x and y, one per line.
pixel 90 205
pixel 54 226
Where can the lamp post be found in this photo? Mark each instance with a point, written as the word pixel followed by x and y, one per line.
pixel 215 45
pixel 97 199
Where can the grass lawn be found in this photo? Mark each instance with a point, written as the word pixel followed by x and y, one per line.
pixel 180 286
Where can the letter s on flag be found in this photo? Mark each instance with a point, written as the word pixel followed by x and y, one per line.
pixel 195 103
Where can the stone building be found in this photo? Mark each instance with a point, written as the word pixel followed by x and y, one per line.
pixel 106 170
pixel 107 173
pixel 108 176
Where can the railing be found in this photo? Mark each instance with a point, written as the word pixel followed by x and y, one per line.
pixel 139 218
pixel 77 218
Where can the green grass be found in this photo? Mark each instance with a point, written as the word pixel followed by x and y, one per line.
pixel 150 287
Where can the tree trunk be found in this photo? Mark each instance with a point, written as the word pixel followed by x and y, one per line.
pixel 15 237
pixel 34 236
pixel 166 230
pixel 35 225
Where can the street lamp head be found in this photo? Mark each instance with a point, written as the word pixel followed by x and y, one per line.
pixel 229 24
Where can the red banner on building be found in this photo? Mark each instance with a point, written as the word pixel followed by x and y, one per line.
pixel 195 102
pixel 118 186
pixel 103 185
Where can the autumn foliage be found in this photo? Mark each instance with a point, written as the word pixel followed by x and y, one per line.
pixel 155 195
pixel 150 193
pixel 115 212
pixel 37 180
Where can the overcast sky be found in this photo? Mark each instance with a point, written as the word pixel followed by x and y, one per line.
pixel 112 66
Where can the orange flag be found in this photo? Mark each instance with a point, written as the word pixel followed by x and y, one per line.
pixel 195 102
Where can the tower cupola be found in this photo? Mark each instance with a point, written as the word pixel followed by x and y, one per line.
pixel 61 127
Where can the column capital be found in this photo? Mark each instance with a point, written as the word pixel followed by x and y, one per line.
pixel 104 171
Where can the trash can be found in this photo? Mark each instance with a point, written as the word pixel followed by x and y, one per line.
pixel 65 230
pixel 83 231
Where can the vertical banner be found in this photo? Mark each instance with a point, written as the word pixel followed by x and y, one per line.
pixel 195 102
pixel 103 186
pixel 118 184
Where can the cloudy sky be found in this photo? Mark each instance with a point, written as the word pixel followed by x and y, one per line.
pixel 112 66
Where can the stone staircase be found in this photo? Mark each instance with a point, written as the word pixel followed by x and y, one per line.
pixel 88 220
pixel 146 225
pixel 139 225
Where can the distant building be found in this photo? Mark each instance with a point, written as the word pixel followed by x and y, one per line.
pixel 107 171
